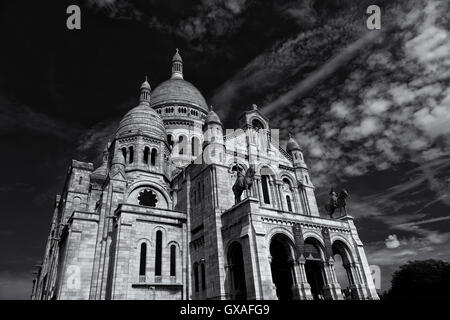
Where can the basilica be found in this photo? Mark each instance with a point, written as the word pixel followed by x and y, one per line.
pixel 182 208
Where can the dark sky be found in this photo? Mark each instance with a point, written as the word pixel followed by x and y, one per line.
pixel 375 121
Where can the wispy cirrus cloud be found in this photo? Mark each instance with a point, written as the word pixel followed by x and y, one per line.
pixel 15 116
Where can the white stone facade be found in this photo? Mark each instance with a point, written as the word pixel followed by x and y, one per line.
pixel 156 223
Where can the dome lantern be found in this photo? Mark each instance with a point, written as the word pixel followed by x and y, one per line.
pixel 177 66
pixel 146 91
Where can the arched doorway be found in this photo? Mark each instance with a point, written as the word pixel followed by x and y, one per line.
pixel 313 267
pixel 282 266
pixel 342 264
pixel 237 286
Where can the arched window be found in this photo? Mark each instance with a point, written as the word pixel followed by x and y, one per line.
pixel 173 260
pixel 203 276
pixel 196 276
pixel 131 149
pixel 153 158
pixel 287 182
pixel 257 125
pixel 124 153
pixel 170 140
pixel 195 143
pixel 80 180
pixel 146 153
pixel 289 205
pixel 143 259
pixel 306 179
pixel 158 253
pixel 265 188
pixel 181 144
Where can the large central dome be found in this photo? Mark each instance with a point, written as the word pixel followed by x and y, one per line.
pixel 178 90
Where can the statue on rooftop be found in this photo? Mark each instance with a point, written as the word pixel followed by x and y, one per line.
pixel 337 201
pixel 243 183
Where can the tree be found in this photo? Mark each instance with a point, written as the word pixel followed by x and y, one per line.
pixel 421 280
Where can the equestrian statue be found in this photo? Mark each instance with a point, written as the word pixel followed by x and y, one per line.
pixel 337 201
pixel 243 182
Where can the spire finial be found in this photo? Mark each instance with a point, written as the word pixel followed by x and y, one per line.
pixel 177 66
pixel 145 92
pixel 211 107
pixel 255 107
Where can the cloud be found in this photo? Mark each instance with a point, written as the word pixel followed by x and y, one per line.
pixel 392 242
pixel 434 119
pixel 209 18
pixel 15 116
pixel 432 44
pixel 94 140
pixel 325 71
pixel 414 248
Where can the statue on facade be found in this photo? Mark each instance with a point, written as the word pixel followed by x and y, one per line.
pixel 337 201
pixel 243 182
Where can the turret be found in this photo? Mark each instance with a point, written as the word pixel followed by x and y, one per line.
pixel 301 172
pixel 146 91
pixel 177 66
pixel 213 145
pixel 301 169
pixel 117 164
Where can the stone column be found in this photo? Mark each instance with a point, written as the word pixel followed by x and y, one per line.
pixel 139 153
pixel 271 197
pixel 296 200
pixel 332 289
pixel 273 288
pixel 356 284
pixel 304 201
pixel 302 289
pixel 278 185
pixel 258 189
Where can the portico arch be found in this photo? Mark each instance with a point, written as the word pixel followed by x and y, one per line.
pixel 345 267
pixel 314 255
pixel 282 265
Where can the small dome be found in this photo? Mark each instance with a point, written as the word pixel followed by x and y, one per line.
pixel 212 117
pixel 178 91
pixel 292 145
pixel 177 57
pixel 142 119
pixel 145 85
